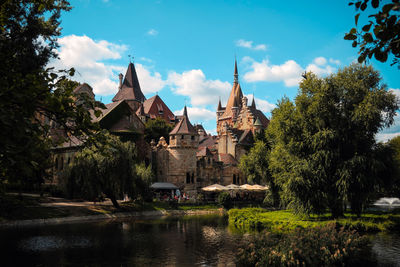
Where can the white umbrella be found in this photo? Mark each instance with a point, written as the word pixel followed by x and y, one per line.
pixel 214 187
pixel 233 187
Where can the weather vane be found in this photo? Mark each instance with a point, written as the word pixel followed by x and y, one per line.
pixel 131 58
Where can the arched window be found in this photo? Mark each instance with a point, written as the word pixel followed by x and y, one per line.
pixel 188 178
pixel 192 178
pixel 182 136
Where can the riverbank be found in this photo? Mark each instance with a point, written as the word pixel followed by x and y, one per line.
pixel 33 209
pixel 284 221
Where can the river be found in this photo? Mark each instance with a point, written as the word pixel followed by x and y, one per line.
pixel 183 241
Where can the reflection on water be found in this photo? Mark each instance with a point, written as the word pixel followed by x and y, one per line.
pixel 387 249
pixel 201 241
pixel 193 241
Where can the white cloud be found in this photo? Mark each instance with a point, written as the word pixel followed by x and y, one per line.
pixel 320 61
pixel 149 82
pixel 249 45
pixel 197 114
pixel 288 72
pixel 261 104
pixel 320 70
pixel 152 32
pixel 334 61
pixel 86 56
pixel 202 92
pixel 396 92
pixel 392 131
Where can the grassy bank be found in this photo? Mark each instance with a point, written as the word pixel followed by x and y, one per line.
pixel 13 207
pixel 285 221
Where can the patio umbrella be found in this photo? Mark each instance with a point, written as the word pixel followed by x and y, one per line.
pixel 233 187
pixel 245 187
pixel 259 187
pixel 214 187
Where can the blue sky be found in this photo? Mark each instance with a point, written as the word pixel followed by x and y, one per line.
pixel 185 50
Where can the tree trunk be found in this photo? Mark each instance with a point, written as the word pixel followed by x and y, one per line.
pixel 114 202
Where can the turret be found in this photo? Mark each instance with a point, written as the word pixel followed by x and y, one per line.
pixel 184 134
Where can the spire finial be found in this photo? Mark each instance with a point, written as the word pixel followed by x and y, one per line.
pixel 236 75
pixel 185 111
pixel 253 103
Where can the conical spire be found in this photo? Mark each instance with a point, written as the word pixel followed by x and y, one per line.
pixel 130 89
pixel 185 112
pixel 236 75
pixel 184 126
pixel 253 103
pixel 219 105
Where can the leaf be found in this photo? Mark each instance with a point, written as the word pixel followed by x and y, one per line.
pixel 363 6
pixel 353 31
pixel 361 59
pixel 354 44
pixel 375 3
pixel 366 28
pixel 350 37
pixel 368 37
pixel 377 29
pixel 356 18
pixel 387 8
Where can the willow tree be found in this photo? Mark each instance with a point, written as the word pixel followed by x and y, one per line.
pixel 109 167
pixel 324 150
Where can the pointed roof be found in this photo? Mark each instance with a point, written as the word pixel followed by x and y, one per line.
pixel 258 122
pixel 235 74
pixel 184 126
pixel 130 87
pixel 155 107
pixel 253 103
pixel 219 105
pixel 140 111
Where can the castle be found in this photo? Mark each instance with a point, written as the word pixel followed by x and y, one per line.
pixel 192 159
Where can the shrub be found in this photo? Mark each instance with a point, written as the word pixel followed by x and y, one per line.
pixel 319 246
pixel 225 200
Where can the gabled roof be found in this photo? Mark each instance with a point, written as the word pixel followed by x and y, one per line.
pixel 209 141
pixel 130 87
pixel 184 126
pixel 84 88
pixel 154 105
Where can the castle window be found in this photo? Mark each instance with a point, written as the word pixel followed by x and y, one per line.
pixel 182 136
pixel 209 160
pixel 192 178
pixel 188 178
pixel 192 137
pixel 234 179
pixel 56 164
pixel 173 137
pixel 69 160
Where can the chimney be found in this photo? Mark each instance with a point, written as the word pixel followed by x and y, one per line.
pixel 120 81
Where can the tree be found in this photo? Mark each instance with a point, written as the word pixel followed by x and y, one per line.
pixel 110 168
pixel 324 150
pixel 255 166
pixel 31 93
pixel 380 37
pixel 157 128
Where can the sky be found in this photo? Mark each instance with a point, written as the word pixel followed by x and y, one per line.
pixel 184 50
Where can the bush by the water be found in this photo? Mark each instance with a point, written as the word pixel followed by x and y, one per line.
pixel 319 246
pixel 225 200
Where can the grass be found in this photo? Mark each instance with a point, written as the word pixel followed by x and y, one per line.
pixel 285 221
pixel 13 207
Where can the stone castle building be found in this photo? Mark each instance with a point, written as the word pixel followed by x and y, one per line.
pixel 192 159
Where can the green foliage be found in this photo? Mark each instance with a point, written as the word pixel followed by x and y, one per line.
pixel 254 165
pixel 31 93
pixel 284 221
pixel 380 37
pixel 225 200
pixel 157 128
pixel 323 146
pixel 108 168
pixel 320 246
